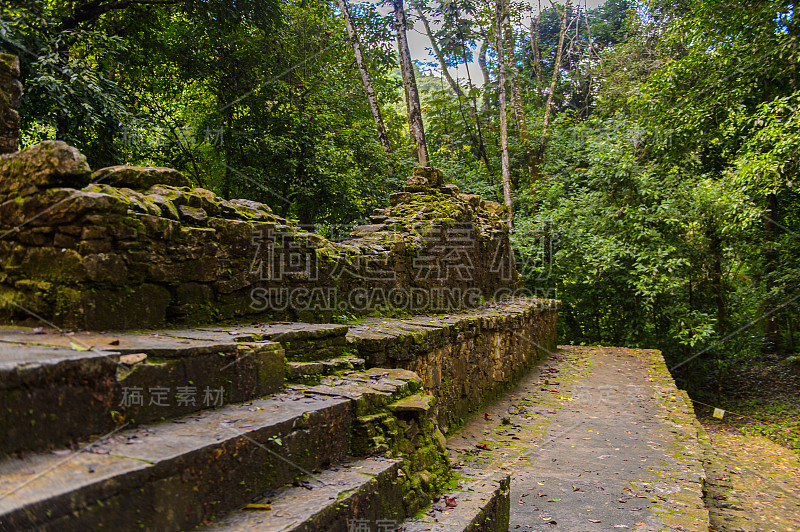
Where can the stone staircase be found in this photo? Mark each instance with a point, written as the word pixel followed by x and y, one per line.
pixel 280 426
pixel 193 469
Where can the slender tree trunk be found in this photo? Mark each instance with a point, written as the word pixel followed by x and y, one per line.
pixel 501 15
pixel 537 54
pixel 516 99
pixel 485 72
pixel 366 81
pixel 548 108
pixel 482 155
pixel 589 53
pixel 573 40
pixel 476 138
pixel 438 52
pixel 410 83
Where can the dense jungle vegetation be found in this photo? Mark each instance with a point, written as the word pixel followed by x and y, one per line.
pixel 652 146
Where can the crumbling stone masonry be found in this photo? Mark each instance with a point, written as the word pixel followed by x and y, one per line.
pixel 10 93
pixel 127 247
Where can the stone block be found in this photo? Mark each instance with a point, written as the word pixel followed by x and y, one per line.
pixel 140 177
pixel 52 163
pixel 399 197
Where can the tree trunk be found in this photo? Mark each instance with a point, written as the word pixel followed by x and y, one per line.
pixel 366 81
pixel 227 189
pixel 485 72
pixel 516 99
pixel 475 138
pixel 589 53
pixel 716 277
pixel 548 108
pixel 438 52
pixel 410 83
pixel 537 54
pixel 501 15
pixel 482 155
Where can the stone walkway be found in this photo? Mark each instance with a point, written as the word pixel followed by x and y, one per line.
pixel 597 439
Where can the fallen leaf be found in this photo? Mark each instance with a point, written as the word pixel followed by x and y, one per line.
pixel 262 507
pixel 113 342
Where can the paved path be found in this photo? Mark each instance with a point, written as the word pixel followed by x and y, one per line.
pixel 597 439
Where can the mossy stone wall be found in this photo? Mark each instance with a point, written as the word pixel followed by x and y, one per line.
pixel 128 248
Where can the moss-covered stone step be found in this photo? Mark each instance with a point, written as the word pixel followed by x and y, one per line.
pixel 312 372
pixel 383 428
pixel 179 474
pixel 176 475
pixel 56 388
pixel 478 505
pixel 300 341
pixel 352 493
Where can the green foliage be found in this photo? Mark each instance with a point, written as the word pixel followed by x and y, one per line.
pixel 657 206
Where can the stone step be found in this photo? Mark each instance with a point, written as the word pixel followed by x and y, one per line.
pixel 176 475
pixel 312 372
pixel 345 496
pixel 179 474
pixel 480 505
pixel 58 388
pixel 300 341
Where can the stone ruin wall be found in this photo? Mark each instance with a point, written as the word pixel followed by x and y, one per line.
pixel 127 247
